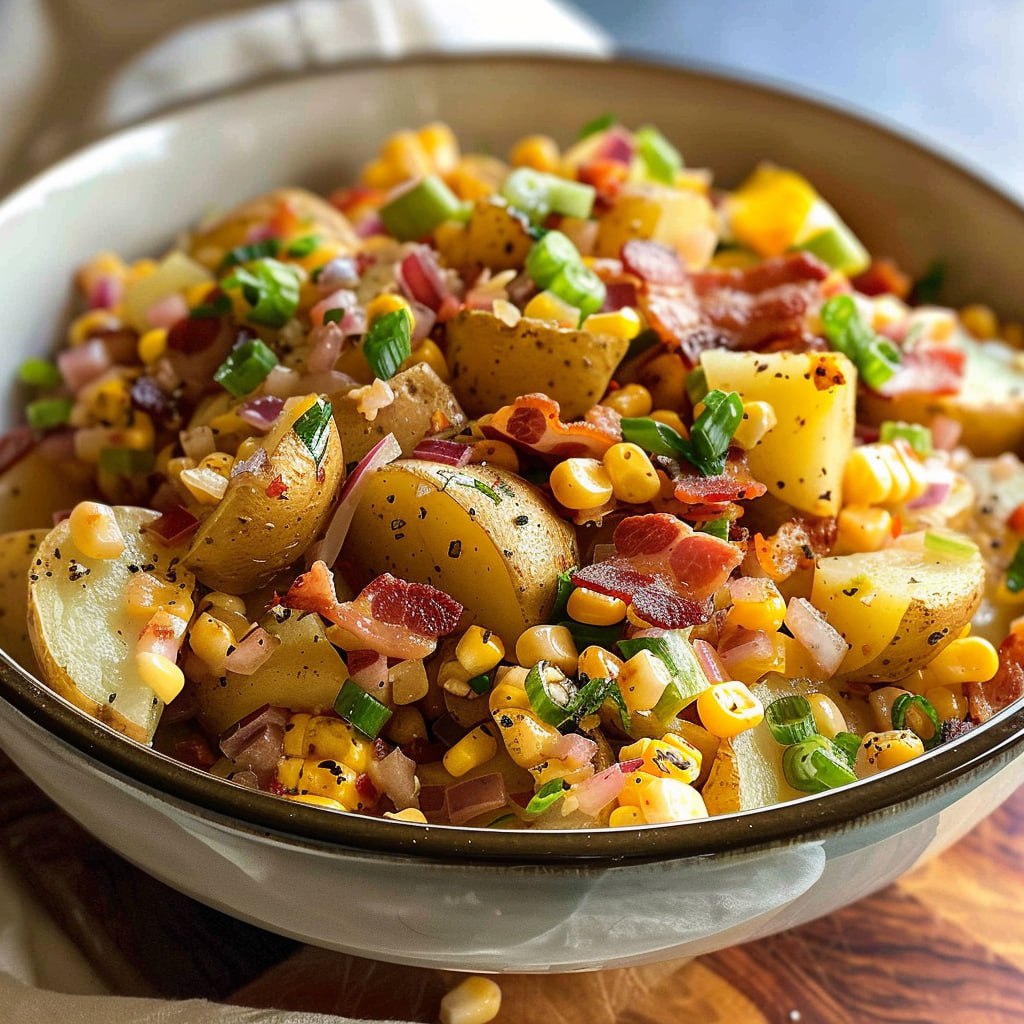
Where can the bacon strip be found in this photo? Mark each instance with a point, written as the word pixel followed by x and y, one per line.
pixel 534 422
pixel 1005 687
pixel 929 368
pixel 734 483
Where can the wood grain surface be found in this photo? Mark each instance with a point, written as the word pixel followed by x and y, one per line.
pixel 945 945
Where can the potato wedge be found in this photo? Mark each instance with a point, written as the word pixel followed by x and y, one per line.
pixel 83 636
pixel 481 534
pixel 17 552
pixel 495 237
pixel 419 394
pixel 34 488
pixel 251 534
pixel 304 674
pixel 492 364
pixel 897 608
pixel 801 460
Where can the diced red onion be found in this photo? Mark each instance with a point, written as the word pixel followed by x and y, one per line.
pixel 575 749
pixel 432 802
pixel 105 292
pixel 174 525
pixel 234 738
pixel 327 550
pixel 198 442
pixel 595 793
pixel 395 777
pixel 256 464
pixel 281 382
pixel 946 433
pixel 709 661
pixel 261 412
pixel 252 652
pixel 261 754
pixel 371 225
pixel 447 730
pixel 617 146
pixel 325 347
pixel 245 778
pixel 258 233
pixel 60 515
pixel 423 320
pixel 341 272
pixel 166 312
pixel 83 363
pixel 821 641
pixel 466 800
pixel 449 453
pixel 421 278
pixel 747 645
pixel 937 490
pixel 183 708
pixel 372 676
pixel 634 764
pixel 342 298
pixel 195 750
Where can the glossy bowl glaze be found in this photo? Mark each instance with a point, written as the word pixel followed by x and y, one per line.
pixel 455 897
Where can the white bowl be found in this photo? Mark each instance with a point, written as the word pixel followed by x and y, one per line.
pixel 455 897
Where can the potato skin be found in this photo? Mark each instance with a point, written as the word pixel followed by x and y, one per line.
pixel 492 364
pixel 495 237
pixel 17 551
pixel 249 537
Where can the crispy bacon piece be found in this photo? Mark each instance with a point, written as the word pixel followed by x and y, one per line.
pixel 390 616
pixel 796 544
pixel 883 277
pixel 534 422
pixel 656 264
pixel 928 368
pixel 734 483
pixel 1005 687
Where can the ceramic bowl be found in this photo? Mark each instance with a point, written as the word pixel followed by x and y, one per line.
pixel 454 897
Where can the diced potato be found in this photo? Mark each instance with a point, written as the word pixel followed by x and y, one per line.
pixel 34 488
pixel 175 273
pixel 495 237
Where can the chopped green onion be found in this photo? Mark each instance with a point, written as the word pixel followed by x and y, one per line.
pixel 480 684
pixel 949 544
pixel 849 744
pixel 548 255
pixel 571 198
pixel 464 480
pixel 653 436
pixel 313 428
pixel 928 287
pixel 39 373
pixel 717 527
pixel 906 703
pixel 875 357
pixel 388 343
pixel 271 289
pixel 713 431
pixel 660 157
pixel 47 413
pixel 593 695
pixel 245 368
pixel 1015 573
pixel 696 385
pixel 551 693
pixel 302 247
pixel 334 316
pixel 538 194
pixel 564 589
pixel 361 711
pixel 598 124
pixel 585 635
pixel 917 436
pixel 687 679
pixel 790 719
pixel 247 253
pixel 580 287
pixel 839 247
pixel 126 461
pixel 814 765
pixel 547 796
pixel 220 306
pixel 414 213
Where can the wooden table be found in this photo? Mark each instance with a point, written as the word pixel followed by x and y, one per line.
pixel 945 945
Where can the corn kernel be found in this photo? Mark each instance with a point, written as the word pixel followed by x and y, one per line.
pixel 428 351
pixel 409 814
pixel 440 145
pixel 631 472
pixel 729 708
pixel 405 154
pixel 160 674
pixel 211 640
pixel 88 324
pixel 625 817
pixel 671 419
pixel 918 482
pixel 152 345
pixel 549 307
pixel 406 725
pixel 662 800
pixel 295 736
pixel 477 176
pixel 537 151
pixel 981 321
pixel 220 462
pixel 289 770
pixel 634 619
pixel 454 679
pixel 828 719
pixel 317 801
pixel 867 479
pixel 862 528
pixel 141 269
pixel 409 682
pixel 756 604
pixel 881 701
pixel 495 453
pixel 969 659
pixel 384 304
pixel 505 696
pixel 758 419
pixel 226 602
pixel 595 609
pixel 479 650
pixel 474 1001
pixel 880 751
pixel 597 663
pixel 336 740
pixel 474 749
pixel 670 757
pixel 622 323
pixel 643 680
pixel 948 701
pixel 94 530
pixel 331 779
pixel 580 484
pixel 527 739
pixel 553 644
pixel 629 401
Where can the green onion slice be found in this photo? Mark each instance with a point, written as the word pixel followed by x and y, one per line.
pixel 713 431
pixel 302 247
pixel 220 306
pixel 247 253
pixel 653 436
pixel 928 287
pixel 245 368
pixel 592 697
pixel 661 159
pixel 563 592
pixel 790 719
pixel 839 247
pixel 313 428
pixel 547 796
pixel 334 316
pixel 39 373
pixel 814 766
pixel 585 635
pixel 271 289
pixel 905 704
pixel 919 437
pixel 849 743
pixel 598 124
pixel 414 213
pixel 1015 573
pixel 875 357
pixel 548 255
pixel 949 544
pixel 696 385
pixel 538 194
pixel 551 694
pixel 580 287
pixel 480 683
pixel 126 461
pixel 673 650
pixel 717 528
pixel 388 343
pixel 361 711
pixel 46 413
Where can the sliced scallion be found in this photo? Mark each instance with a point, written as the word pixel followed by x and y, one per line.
pixel 653 436
pixel 1015 573
pixel 126 461
pixel 875 357
pixel 661 159
pixel 916 706
pixel 563 592
pixel 246 253
pixel 551 693
pixel 919 437
pixel 538 194
pixel 360 710
pixel 688 680
pixel 480 684
pixel 302 247
pixel 585 635
pixel 580 287
pixel 814 766
pixel 548 255
pixel 790 719
pixel 313 428
pixel 388 343
pixel 849 744
pixel 599 124
pixel 547 796
pixel 246 367
pixel 414 213
pixel 39 373
pixel 713 431
pixel 696 385
pixel 271 288
pixel 717 528
pixel 47 413
pixel 839 247
pixel 949 544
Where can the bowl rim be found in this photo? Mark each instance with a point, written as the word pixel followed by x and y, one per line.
pixel 986 748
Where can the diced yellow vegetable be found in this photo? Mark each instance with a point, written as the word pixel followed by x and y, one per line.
pixel 729 708
pixel 769 210
pixel 474 749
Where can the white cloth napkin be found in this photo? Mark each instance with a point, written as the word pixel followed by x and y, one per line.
pixel 71 70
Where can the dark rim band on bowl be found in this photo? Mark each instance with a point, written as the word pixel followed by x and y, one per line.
pixel 983 750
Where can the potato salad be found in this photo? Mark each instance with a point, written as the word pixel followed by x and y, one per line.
pixel 566 490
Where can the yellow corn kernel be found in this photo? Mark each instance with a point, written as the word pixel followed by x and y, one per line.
pixel 948 701
pixel 384 304
pixel 729 708
pixel 581 484
pixel 88 324
pixel 622 323
pixel 474 1001
pixel 880 751
pixel 495 453
pixel 527 739
pixel 295 736
pixel 474 749
pixel 160 674
pixel 406 725
pixel 332 738
pixel 145 595
pixel 595 609
pixel 881 702
pixel 94 530
pixel 548 306
pixel 970 659
pixel 141 435
pixel 553 644
pixel 505 696
pixel 440 145
pixel 629 401
pixel 642 680
pixel 671 419
pixel 597 663
pixel 477 176
pixel 108 400
pixel 981 321
pixel 662 800
pixel 862 528
pixel 631 472
pixel 867 479
pixel 313 800
pixel 408 682
pixel 226 602
pixel 479 650
pixel 211 640
pixel 758 419
pixel 634 620
pixel 756 604
pixel 152 345
pixel 409 814
pixel 332 779
pixel 749 668
pixel 407 157
pixel 915 471
pixel 828 719
pixel 289 769
pixel 670 757
pixel 220 462
pixel 207 486
pixel 429 352
pixel 141 269
pixel 537 151
pixel 625 817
